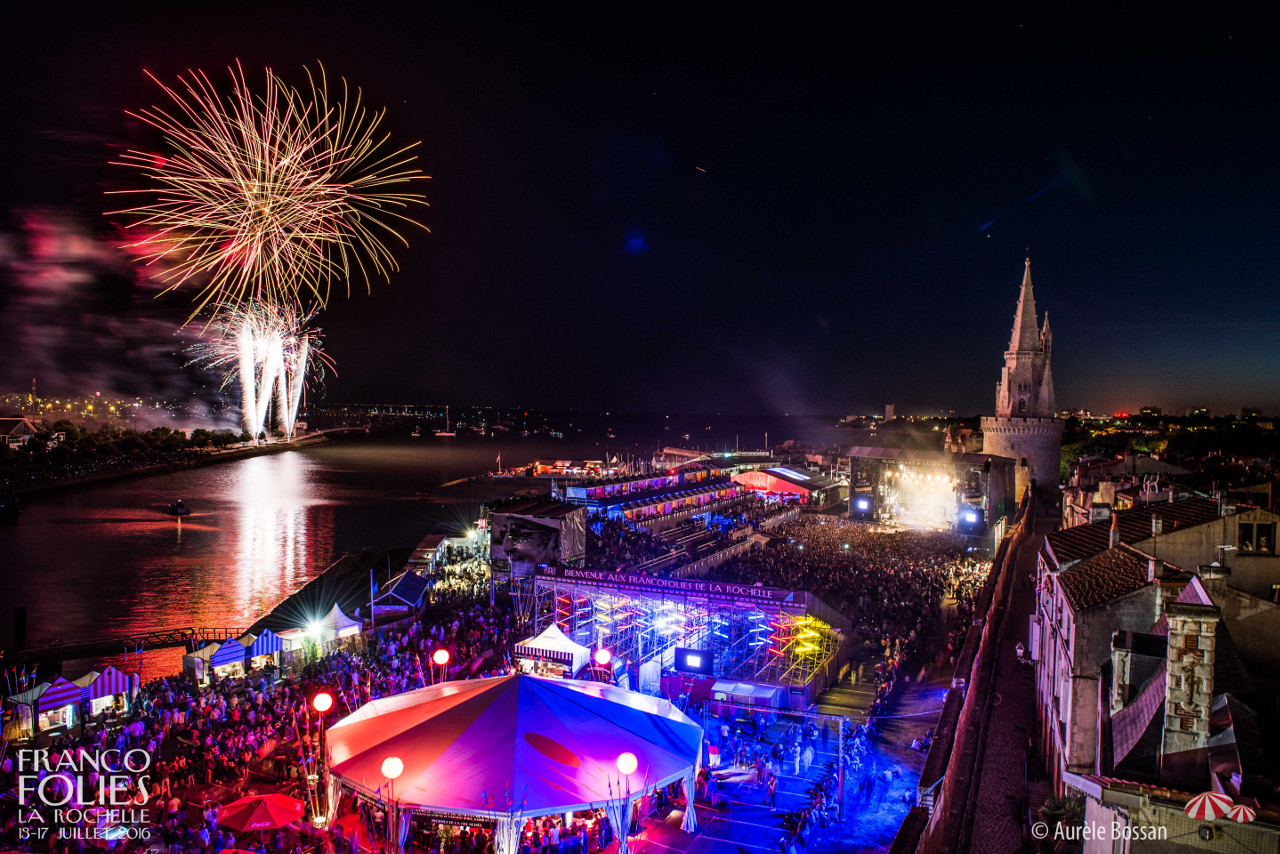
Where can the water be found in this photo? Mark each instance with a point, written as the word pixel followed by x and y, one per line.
pixel 107 561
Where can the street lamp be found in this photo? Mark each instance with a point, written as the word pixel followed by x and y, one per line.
pixel 441 658
pixel 316 781
pixel 392 768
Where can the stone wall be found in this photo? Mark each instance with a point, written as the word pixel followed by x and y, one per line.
pixel 1037 440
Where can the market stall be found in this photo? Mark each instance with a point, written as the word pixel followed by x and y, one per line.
pixel 553 653
pixel 108 690
pixel 262 649
pixel 223 659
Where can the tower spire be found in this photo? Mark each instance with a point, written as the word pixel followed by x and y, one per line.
pixel 1026 331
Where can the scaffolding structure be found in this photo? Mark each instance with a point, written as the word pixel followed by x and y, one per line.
pixel 746 640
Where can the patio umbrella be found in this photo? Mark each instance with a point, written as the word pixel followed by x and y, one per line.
pixel 1207 806
pixel 1242 814
pixel 261 812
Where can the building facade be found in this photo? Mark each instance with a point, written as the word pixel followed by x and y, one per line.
pixel 1024 427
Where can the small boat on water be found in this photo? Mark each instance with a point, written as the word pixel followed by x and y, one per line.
pixel 178 508
pixel 417 433
pixel 446 433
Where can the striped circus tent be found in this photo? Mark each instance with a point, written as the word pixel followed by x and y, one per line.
pixel 228 652
pixel 108 683
pixel 1207 806
pixel 61 692
pixel 85 682
pixel 1242 814
pixel 266 642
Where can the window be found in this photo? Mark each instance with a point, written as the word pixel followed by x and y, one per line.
pixel 1257 538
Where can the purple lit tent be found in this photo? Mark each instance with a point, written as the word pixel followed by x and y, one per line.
pixel 105 686
pixel 265 643
pixel 509 748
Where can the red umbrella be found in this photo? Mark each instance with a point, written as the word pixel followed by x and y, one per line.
pixel 261 812
pixel 1207 806
pixel 1242 814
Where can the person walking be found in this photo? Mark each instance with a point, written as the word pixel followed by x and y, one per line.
pixel 771 794
pixel 795 758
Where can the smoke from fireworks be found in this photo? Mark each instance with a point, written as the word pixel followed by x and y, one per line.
pixel 258 197
pixel 269 351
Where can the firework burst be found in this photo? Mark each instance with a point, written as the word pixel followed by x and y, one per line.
pixel 270 351
pixel 272 196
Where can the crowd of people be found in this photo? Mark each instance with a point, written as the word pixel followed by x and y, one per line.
pixel 613 545
pixel 889 583
pixel 257 732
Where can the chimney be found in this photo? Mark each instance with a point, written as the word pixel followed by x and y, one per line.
pixel 1113 539
pixel 1214 577
pixel 1151 570
pixel 1189 685
pixel 1121 676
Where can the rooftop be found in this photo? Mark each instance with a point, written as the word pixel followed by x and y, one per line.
pixel 1113 573
pixel 539 508
pixel 910 455
pixel 1082 541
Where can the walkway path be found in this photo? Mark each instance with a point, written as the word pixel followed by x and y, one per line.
pixel 998 822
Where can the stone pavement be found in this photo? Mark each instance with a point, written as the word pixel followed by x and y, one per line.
pixel 998 821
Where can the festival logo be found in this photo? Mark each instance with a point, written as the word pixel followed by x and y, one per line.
pixel 84 794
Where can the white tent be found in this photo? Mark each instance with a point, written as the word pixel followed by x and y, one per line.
pixel 555 645
pixel 509 748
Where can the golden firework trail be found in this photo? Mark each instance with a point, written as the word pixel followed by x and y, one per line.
pixel 269 196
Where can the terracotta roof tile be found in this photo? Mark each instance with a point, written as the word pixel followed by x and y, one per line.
pixel 1082 541
pixel 1115 572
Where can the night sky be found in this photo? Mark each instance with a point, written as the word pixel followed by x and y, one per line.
pixel 674 210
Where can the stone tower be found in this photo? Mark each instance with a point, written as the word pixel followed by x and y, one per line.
pixel 1024 427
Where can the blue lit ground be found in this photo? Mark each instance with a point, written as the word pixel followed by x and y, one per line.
pixel 870 824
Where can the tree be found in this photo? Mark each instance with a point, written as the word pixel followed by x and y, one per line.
pixel 1065 813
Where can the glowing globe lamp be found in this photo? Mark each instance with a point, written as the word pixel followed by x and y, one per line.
pixel 392 767
pixel 627 763
pixel 440 657
pixel 322 702
pixel 603 657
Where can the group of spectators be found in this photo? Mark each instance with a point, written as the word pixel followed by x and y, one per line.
pixel 889 583
pixel 612 544
pixel 258 733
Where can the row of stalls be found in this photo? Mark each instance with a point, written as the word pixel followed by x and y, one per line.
pixel 61 703
pixel 233 657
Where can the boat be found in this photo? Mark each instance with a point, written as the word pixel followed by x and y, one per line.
pixel 178 508
pixel 446 433
pixel 417 433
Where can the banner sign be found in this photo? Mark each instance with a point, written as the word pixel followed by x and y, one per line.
pixel 694 587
